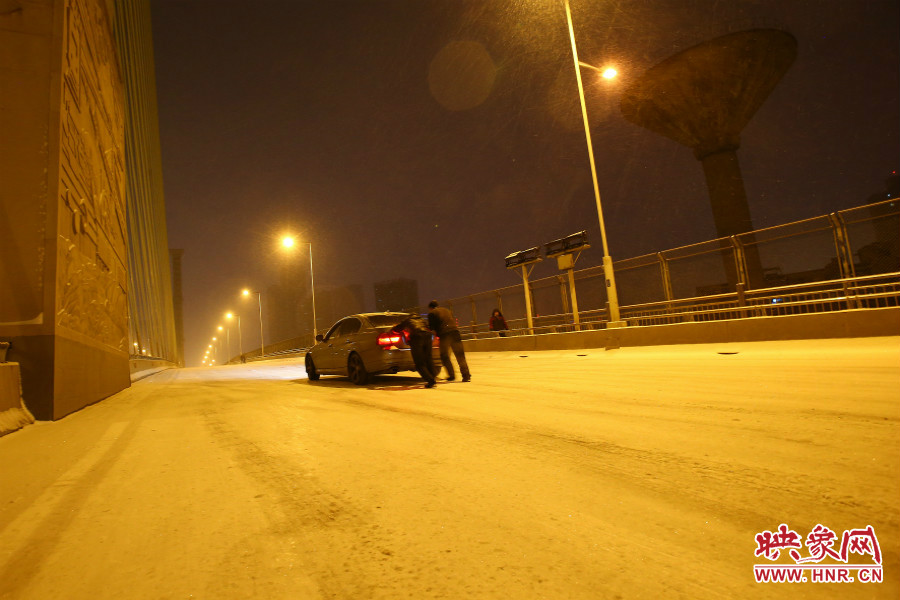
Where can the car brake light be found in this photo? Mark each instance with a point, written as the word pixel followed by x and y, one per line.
pixel 388 339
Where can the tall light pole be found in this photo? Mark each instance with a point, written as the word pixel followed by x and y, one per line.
pixel 227 343
pixel 230 316
pixel 288 242
pixel 611 294
pixel 262 345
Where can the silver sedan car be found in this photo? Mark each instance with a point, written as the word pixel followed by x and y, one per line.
pixel 361 345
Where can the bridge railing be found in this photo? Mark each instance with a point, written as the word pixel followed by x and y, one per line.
pixel 844 260
pixel 874 291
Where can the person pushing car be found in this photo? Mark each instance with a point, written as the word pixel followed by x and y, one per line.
pixel 418 336
pixel 441 321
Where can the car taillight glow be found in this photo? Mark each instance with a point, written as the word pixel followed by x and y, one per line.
pixel 388 339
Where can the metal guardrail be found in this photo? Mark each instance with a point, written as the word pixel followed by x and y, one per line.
pixel 280 354
pixel 807 265
pixel 874 291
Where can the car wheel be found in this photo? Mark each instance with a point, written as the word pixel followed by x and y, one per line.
pixel 311 372
pixel 357 370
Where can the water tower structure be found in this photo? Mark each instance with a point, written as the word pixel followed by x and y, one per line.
pixel 702 98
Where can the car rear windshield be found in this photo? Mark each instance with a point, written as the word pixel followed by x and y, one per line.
pixel 386 320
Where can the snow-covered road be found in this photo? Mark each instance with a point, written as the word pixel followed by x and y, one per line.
pixel 633 473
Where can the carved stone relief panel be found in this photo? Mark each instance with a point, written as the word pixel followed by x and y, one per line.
pixel 91 268
pixel 26 40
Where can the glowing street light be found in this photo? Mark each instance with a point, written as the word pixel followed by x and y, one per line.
pixel 607 73
pixel 611 294
pixel 246 294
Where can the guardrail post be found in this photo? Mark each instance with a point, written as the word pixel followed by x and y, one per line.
pixel 666 276
pixel 575 316
pixel 666 282
pixel 842 245
pixel 741 299
pixel 564 298
pixel 852 301
pixel 474 314
pixel 740 263
pixel 527 289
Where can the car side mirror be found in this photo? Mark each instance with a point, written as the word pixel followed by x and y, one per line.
pixel 320 337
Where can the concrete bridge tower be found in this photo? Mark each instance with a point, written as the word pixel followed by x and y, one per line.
pixel 65 168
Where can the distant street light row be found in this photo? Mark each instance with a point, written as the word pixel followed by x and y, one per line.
pixel 287 242
pixel 612 295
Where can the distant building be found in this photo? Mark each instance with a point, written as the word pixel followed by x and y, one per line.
pixel 396 295
pixel 881 252
pixel 279 325
pixel 289 303
pixel 333 303
pixel 289 310
pixel 891 189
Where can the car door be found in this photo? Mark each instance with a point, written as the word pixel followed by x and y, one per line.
pixel 344 342
pixel 323 352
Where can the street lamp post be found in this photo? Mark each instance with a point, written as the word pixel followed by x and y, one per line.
pixel 288 242
pixel 262 344
pixel 230 316
pixel 227 343
pixel 611 294
pixel 312 291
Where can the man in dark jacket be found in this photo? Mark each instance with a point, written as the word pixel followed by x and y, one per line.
pixel 442 323
pixel 418 336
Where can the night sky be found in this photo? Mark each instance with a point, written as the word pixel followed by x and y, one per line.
pixel 428 139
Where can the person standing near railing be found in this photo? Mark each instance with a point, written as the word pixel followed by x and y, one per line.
pixel 498 323
pixel 443 324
